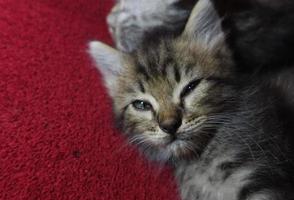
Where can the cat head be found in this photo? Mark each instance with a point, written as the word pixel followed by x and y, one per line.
pixel 169 94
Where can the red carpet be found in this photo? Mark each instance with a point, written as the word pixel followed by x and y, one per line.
pixel 56 135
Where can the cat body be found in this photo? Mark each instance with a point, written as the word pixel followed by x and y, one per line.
pixel 246 159
pixel 180 100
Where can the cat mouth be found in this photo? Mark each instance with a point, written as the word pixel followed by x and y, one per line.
pixel 184 145
pixel 189 146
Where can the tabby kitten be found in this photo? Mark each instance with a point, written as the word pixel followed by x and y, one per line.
pixel 179 101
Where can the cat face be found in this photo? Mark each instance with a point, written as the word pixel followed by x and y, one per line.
pixel 169 94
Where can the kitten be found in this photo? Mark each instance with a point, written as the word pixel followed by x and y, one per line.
pixel 130 20
pixel 180 101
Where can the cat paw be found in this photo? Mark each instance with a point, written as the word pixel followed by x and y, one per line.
pixel 130 20
pixel 124 28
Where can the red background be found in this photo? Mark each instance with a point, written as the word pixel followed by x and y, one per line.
pixel 56 136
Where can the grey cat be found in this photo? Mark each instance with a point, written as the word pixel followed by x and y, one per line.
pixel 131 20
pixel 228 136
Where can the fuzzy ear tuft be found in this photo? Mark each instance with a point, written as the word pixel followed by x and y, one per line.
pixel 204 25
pixel 108 62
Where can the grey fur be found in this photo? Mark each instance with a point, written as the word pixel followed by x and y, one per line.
pixel 130 20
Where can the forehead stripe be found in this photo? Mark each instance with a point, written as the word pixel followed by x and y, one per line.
pixel 141 86
pixel 177 74
pixel 142 70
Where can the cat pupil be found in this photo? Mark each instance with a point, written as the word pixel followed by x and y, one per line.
pixel 141 105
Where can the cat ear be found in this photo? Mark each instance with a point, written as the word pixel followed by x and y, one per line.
pixel 108 62
pixel 204 25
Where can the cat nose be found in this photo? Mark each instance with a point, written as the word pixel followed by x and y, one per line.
pixel 170 126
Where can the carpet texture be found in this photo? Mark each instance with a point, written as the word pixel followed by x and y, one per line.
pixel 56 135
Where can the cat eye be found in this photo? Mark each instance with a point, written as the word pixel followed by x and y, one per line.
pixel 190 87
pixel 142 105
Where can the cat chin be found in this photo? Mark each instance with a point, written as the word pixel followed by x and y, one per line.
pixel 181 150
pixel 167 148
pixel 172 151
